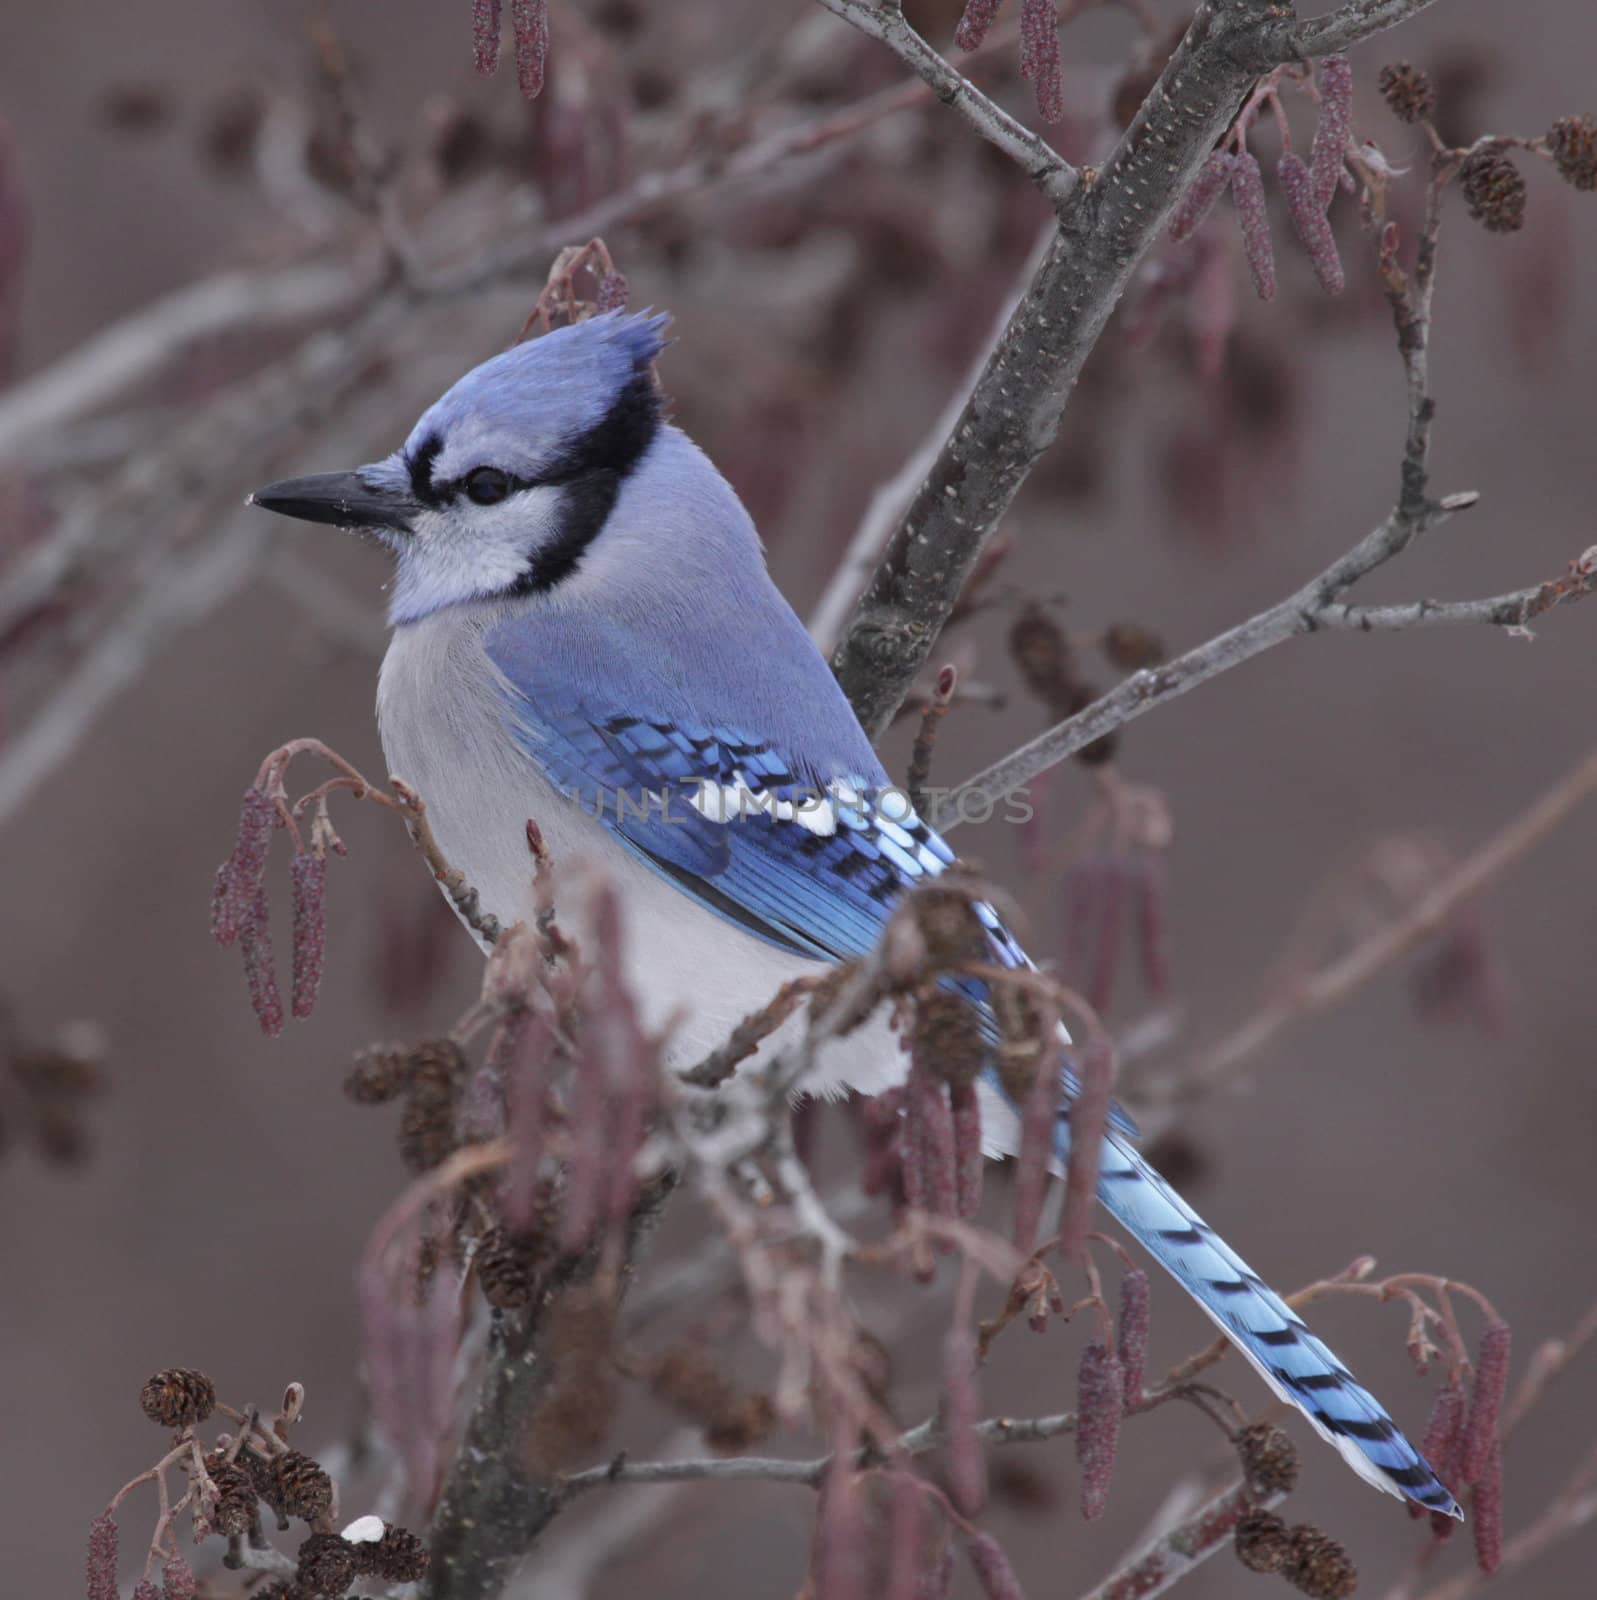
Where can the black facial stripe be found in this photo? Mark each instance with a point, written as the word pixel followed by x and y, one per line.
pixel 421 473
pixel 591 469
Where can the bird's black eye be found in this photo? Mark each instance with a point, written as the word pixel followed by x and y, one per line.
pixel 487 486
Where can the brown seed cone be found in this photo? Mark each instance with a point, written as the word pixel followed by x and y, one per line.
pixel 235 1502
pixel 509 1267
pixel 947 1037
pixel 400 1556
pixel 327 1564
pixel 438 1068
pixel 177 1397
pixel 300 1487
pixel 1319 1566
pixel 1262 1542
pixel 1494 191
pixel 741 1426
pixel 281 1590
pixel 1408 91
pixel 1269 1460
pixel 426 1134
pixel 379 1073
pixel 1573 142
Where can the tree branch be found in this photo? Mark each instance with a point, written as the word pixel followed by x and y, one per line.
pixel 1106 224
pixel 1038 159
pixel 1351 24
pixel 1174 1556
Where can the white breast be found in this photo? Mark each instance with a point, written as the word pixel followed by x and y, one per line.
pixel 440 717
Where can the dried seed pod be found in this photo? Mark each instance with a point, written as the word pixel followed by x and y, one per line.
pixel 1408 91
pixel 380 1073
pixel 1133 1318
pixel 308 887
pixel 234 1511
pixel 1485 1402
pixel 510 1266
pixel 1253 217
pixel 1319 1566
pixel 400 1556
pixel 1196 204
pixel 1494 191
pixel 1039 648
pixel 178 1397
pixel 1269 1460
pixel 1573 143
pixel 1309 220
pixel 327 1564
pixel 1100 1403
pixel 300 1486
pixel 946 1034
pixel 1262 1543
pixel 1331 131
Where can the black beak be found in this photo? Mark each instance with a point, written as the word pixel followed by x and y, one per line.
pixel 339 498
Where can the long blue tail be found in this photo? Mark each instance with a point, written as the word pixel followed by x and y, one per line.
pixel 1296 1365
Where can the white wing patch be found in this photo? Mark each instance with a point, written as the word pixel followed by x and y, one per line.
pixel 734 801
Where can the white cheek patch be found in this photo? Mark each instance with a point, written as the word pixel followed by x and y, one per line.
pixel 464 551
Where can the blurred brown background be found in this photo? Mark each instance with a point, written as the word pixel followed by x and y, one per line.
pixel 821 326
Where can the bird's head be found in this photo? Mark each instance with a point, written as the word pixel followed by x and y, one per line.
pixel 506 479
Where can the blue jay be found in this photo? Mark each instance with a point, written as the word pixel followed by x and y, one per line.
pixel 584 632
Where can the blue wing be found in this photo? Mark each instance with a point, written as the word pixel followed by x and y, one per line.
pixel 821 883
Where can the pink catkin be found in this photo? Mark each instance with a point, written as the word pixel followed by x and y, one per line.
pixel 177 1580
pixel 968 1160
pixel 240 877
pixel 974 22
pixel 1083 885
pixel 1331 132
pixel 937 1581
pixel 1153 921
pixel 906 1519
pixel 1089 1114
pixel 1196 204
pixel 928 1144
pixel 1485 1401
pixel 1444 1434
pixel 613 292
pixel 530 19
pixel 485 21
pixel 1247 196
pixel 993 1571
pixel 1100 1400
pixel 100 1560
pixel 307 876
pixel 1039 56
pixel 260 970
pixel 1132 1322
pixel 1486 1511
pixel 1309 221
pixel 967 1470
pixel 145 1590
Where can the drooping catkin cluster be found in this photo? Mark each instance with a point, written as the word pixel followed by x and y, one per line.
pixel 1308 187
pixel 228 1483
pixel 241 908
pixel 529 20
